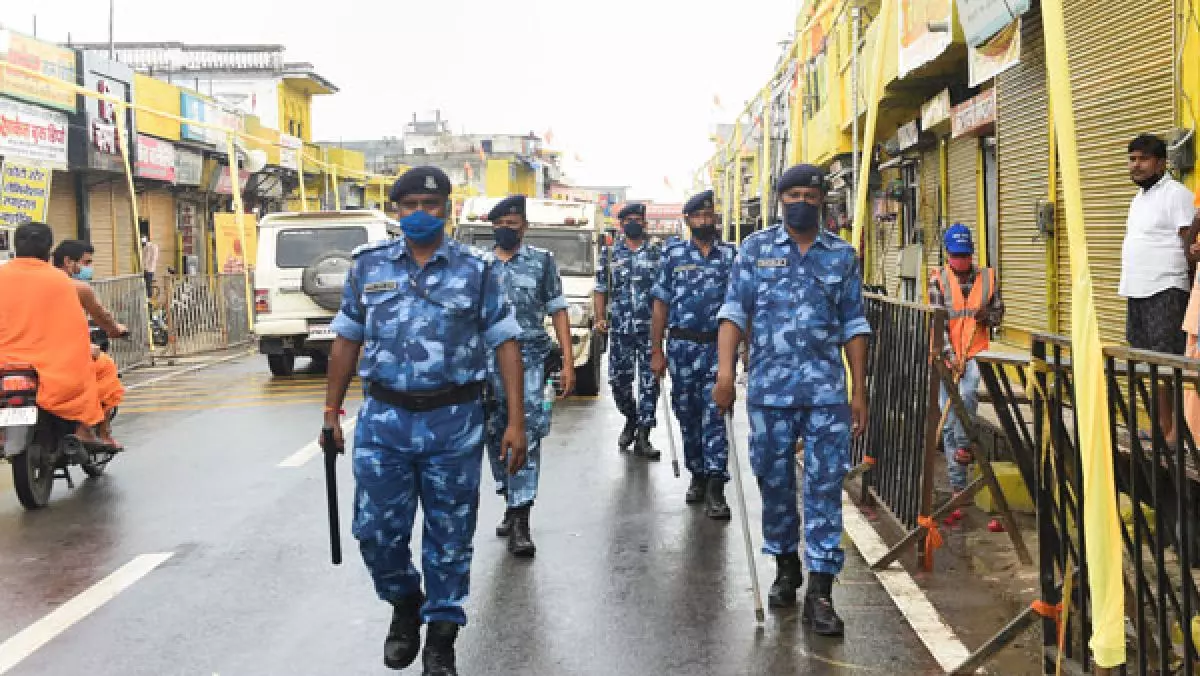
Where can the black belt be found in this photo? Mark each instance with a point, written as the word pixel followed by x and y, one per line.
pixel 419 402
pixel 694 336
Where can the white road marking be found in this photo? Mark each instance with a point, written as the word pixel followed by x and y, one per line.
pixel 184 371
pixel 38 634
pixel 933 631
pixel 312 448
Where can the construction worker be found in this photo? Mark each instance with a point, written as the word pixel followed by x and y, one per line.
pixel 689 292
pixel 423 310
pixel 796 290
pixel 973 305
pixel 535 291
pixel 626 274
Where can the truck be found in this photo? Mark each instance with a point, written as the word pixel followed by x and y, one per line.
pixel 569 230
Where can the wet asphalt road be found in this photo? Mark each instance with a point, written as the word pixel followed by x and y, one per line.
pixel 628 581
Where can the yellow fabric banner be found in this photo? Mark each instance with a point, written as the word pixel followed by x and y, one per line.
pixel 1101 522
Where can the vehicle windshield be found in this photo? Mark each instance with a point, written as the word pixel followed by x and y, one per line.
pixel 299 247
pixel 572 249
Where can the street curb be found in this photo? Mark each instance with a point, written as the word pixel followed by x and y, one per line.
pixel 187 370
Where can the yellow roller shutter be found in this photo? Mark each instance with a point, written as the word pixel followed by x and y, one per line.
pixel 963 191
pixel 61 214
pixel 111 221
pixel 158 206
pixel 1022 159
pixel 1119 93
pixel 929 207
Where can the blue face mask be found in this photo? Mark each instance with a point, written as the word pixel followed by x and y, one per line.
pixel 507 238
pixel 801 217
pixel 84 274
pixel 633 229
pixel 422 227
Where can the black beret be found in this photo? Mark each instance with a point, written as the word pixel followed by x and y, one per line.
pixel 420 181
pixel 702 201
pixel 632 210
pixel 801 175
pixel 513 204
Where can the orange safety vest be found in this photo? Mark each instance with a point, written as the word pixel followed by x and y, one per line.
pixel 967 337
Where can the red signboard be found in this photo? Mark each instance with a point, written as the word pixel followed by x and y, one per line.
pixel 155 159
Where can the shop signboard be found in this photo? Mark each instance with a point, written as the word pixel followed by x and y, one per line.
pixel 982 19
pixel 936 110
pixel 189 167
pixel 100 147
pixel 33 134
pixel 996 55
pixel 192 106
pixel 926 30
pixel 224 186
pixel 289 152
pixel 24 193
pixel 908 135
pixel 155 159
pixel 232 253
pixel 976 115
pixel 42 57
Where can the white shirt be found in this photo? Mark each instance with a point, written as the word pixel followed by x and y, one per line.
pixel 1152 257
pixel 150 256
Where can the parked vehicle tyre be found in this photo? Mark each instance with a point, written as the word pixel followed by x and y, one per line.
pixel 283 364
pixel 33 474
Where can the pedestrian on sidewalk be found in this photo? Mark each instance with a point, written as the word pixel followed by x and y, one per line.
pixel 973 307
pixel 625 277
pixel 796 290
pixel 535 291
pixel 424 310
pixel 1154 267
pixel 687 296
pixel 1191 324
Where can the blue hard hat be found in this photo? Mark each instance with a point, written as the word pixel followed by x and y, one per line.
pixel 958 240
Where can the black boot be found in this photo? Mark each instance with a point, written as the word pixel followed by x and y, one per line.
pixel 403 640
pixel 505 526
pixel 520 542
pixel 788 577
pixel 438 657
pixel 628 435
pixel 695 491
pixel 818 606
pixel 715 506
pixel 642 447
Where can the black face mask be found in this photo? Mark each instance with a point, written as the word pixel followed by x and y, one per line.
pixel 507 238
pixel 634 230
pixel 705 233
pixel 1150 182
pixel 801 217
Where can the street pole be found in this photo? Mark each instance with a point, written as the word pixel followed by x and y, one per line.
pixel 112 12
pixel 854 28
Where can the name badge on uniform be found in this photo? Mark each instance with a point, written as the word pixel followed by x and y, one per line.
pixel 771 263
pixel 685 268
pixel 375 287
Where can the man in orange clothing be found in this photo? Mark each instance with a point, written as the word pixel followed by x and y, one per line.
pixel 75 258
pixel 42 324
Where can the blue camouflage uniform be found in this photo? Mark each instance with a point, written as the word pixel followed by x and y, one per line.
pixel 799 310
pixel 629 300
pixel 422 329
pixel 693 286
pixel 535 290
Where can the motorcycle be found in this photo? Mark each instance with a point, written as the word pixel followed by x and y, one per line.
pixel 40 446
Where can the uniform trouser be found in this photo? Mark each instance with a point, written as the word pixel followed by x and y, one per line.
pixel 773 435
pixel 402 458
pixel 954 435
pixel 693 369
pixel 521 488
pixel 629 353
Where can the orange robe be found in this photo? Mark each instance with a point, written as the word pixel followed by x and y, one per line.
pixel 109 387
pixel 43 324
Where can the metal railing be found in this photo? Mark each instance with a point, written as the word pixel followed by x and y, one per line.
pixel 204 313
pixel 125 298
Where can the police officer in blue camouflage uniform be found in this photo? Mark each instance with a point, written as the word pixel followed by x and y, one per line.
pixel 689 292
pixel 626 275
pixel 535 291
pixel 797 291
pixel 424 310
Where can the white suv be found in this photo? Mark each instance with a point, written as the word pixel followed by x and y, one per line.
pixel 303 259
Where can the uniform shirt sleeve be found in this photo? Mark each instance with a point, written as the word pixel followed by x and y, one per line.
pixel 851 312
pixel 497 314
pixel 552 293
pixel 739 296
pixel 602 271
pixel 662 281
pixel 351 317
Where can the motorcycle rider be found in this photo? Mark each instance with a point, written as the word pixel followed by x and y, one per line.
pixel 74 257
pixel 42 324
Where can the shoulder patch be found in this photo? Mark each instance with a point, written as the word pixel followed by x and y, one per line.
pixel 371 246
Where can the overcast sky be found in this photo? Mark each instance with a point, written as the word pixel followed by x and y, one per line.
pixel 628 85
